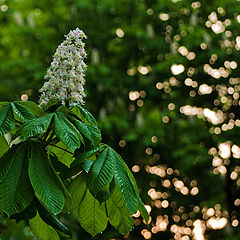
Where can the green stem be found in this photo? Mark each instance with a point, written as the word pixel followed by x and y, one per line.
pixel 50 139
pixel 46 134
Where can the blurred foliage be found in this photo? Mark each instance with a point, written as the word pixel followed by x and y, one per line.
pixel 163 81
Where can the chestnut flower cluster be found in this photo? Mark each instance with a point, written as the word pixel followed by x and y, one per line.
pixel 65 77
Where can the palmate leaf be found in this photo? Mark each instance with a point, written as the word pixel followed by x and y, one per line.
pixel 22 111
pixel 133 182
pixel 80 157
pixel 118 220
pixel 63 109
pixel 52 105
pixel 59 181
pixel 91 215
pixel 84 160
pixel 84 165
pixel 44 182
pixel 77 190
pixel 32 107
pixel 51 220
pixel 7 121
pixel 64 157
pixel 4 145
pixel 66 131
pixel 57 165
pixel 84 115
pixel 2 104
pixel 6 161
pixel 36 126
pixel 18 110
pixel 93 134
pixel 101 171
pixel 42 230
pixel 124 185
pixel 28 213
pixel 143 211
pixel 118 214
pixel 16 192
pixel 103 194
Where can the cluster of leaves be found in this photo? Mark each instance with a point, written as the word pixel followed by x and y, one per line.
pixel 54 162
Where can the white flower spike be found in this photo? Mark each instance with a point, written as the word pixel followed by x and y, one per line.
pixel 65 77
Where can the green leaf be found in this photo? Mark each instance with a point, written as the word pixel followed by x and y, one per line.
pixel 66 131
pixel 143 211
pixel 36 126
pixel 118 220
pixel 2 104
pixel 42 230
pixel 28 213
pixel 52 105
pixel 77 190
pixel 63 109
pixel 118 200
pixel 51 220
pixel 85 155
pixel 59 181
pixel 16 192
pixel 44 182
pixel 85 115
pixel 7 121
pixel 84 165
pixel 93 134
pixel 103 194
pixel 22 112
pixel 32 107
pixel 91 215
pixel 119 216
pixel 13 111
pixel 101 171
pixel 141 206
pixel 124 185
pixel 84 160
pixel 57 165
pixel 6 161
pixel 64 157
pixel 4 145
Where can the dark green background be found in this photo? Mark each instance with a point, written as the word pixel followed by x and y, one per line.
pixel 30 31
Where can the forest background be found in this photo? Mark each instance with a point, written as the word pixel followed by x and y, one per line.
pixel 163 82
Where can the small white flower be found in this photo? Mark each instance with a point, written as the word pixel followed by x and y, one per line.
pixel 65 76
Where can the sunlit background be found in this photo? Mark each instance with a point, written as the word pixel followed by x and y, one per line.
pixel 164 83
